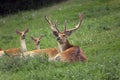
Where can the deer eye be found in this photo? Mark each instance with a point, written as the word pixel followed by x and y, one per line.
pixel 63 35
pixel 23 35
pixel 35 40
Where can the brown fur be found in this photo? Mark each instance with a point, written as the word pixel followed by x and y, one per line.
pixel 72 54
pixel 0 49
pixel 13 52
pixel 51 52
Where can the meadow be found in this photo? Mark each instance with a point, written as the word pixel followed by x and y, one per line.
pixel 98 37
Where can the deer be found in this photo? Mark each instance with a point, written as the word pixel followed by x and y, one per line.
pixel 50 52
pixel 66 51
pixel 36 42
pixel 23 48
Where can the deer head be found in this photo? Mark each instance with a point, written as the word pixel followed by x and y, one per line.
pixel 36 40
pixel 62 36
pixel 22 33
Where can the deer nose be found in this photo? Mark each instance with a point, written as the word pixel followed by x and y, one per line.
pixel 38 42
pixel 23 35
pixel 58 38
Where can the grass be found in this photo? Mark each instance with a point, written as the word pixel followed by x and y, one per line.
pixel 98 37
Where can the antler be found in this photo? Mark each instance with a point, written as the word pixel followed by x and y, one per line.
pixel 78 25
pixel 52 26
pixel 65 26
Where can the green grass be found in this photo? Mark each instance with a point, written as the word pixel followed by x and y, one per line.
pixel 99 37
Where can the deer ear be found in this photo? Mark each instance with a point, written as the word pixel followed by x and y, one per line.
pixel 68 33
pixel 18 32
pixel 40 37
pixel 32 38
pixel 26 30
pixel 55 33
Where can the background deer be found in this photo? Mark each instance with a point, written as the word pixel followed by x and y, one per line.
pixel 18 51
pixel 67 51
pixel 36 42
pixel 50 52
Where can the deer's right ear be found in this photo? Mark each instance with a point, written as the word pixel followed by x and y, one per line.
pixel 55 33
pixel 40 37
pixel 27 30
pixel 18 32
pixel 68 33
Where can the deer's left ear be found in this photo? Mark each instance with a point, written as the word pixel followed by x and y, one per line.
pixel 32 38
pixel 68 33
pixel 26 30
pixel 18 32
pixel 55 33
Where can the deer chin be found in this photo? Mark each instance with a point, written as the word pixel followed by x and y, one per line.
pixel 60 41
pixel 22 37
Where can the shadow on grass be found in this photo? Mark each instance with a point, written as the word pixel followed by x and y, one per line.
pixel 12 6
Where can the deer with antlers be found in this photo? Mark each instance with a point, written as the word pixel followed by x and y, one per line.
pixel 18 51
pixel 67 51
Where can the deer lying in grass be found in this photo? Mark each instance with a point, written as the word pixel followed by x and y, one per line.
pixel 50 52
pixel 67 51
pixel 18 51
pixel 37 42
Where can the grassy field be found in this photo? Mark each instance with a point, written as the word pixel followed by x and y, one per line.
pixel 99 37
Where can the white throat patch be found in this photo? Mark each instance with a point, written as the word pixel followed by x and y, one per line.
pixel 23 45
pixel 61 47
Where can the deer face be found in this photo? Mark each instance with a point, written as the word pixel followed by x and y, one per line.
pixel 22 34
pixel 62 36
pixel 36 40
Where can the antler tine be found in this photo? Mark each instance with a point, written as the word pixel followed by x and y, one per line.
pixel 52 26
pixel 65 26
pixel 79 24
pixel 56 23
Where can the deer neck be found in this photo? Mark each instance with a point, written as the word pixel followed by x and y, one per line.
pixel 37 47
pixel 23 45
pixel 64 46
